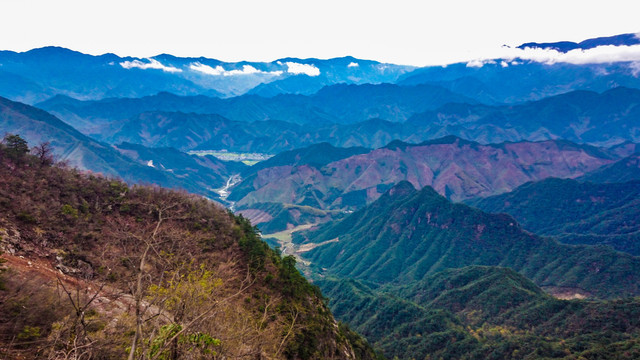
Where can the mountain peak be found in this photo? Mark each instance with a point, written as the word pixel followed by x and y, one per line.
pixel 397 144
pixel 417 235
pixel 447 140
pixel 54 51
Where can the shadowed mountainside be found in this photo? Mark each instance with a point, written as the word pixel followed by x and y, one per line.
pixel 575 212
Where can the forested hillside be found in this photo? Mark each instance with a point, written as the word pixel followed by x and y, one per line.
pixel 575 212
pixel 93 268
pixel 480 312
pixel 409 234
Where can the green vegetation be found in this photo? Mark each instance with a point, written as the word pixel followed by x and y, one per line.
pixel 407 235
pixel 482 312
pixel 575 212
pixel 100 269
pixel 627 169
pixel 16 147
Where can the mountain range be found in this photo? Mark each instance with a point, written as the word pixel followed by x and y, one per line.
pixel 626 169
pixel 479 210
pixel 514 80
pixel 456 168
pixel 407 235
pixel 481 312
pixel 340 103
pixel 133 163
pixel 350 115
pixel 37 74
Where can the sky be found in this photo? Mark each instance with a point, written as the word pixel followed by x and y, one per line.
pixel 401 31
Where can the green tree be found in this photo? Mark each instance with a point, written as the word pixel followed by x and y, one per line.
pixel 16 147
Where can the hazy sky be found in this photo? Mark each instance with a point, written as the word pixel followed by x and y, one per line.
pixel 400 31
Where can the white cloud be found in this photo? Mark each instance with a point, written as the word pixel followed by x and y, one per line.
pixel 307 69
pixel 150 163
pixel 598 55
pixel 152 64
pixel 206 69
pixel 478 63
pixel 219 70
pixel 248 69
pixel 504 64
pixel 353 64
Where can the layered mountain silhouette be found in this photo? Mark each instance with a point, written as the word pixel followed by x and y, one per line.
pixel 37 74
pixel 579 116
pixel 133 163
pixel 524 80
pixel 351 115
pixel 340 103
pixel 366 163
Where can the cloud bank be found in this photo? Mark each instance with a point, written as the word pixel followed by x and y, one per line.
pixel 220 71
pixel 598 55
pixel 152 64
pixel 306 69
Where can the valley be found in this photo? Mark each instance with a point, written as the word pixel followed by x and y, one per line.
pixel 245 158
pixel 226 189
pixel 284 241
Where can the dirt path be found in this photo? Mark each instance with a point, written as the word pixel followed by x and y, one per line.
pixel 109 300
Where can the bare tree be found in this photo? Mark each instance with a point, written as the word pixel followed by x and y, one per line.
pixel 151 244
pixel 80 345
pixel 44 152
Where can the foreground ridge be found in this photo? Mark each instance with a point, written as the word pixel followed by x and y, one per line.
pixel 95 268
